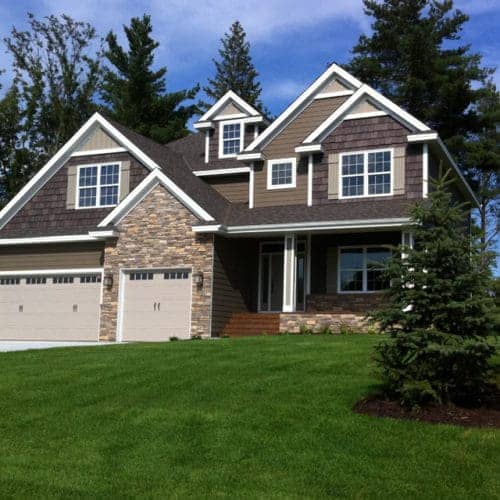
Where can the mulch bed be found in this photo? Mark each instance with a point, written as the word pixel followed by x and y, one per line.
pixel 488 416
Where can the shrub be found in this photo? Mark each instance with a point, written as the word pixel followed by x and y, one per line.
pixel 427 366
pixel 345 329
pixel 325 330
pixel 305 330
pixel 173 339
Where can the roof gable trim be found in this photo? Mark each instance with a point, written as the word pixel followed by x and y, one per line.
pixel 223 101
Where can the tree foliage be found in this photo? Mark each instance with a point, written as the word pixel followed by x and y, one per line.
pixel 438 308
pixel 56 76
pixel 235 69
pixel 136 93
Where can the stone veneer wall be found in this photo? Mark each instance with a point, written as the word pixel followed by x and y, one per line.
pixel 292 322
pixel 157 233
pixel 343 303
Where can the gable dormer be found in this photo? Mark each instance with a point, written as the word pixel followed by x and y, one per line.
pixel 230 125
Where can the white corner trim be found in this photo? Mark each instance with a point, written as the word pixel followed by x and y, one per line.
pixel 40 272
pixel 367 114
pixel 228 96
pixel 337 93
pixel 305 97
pixel 155 178
pixel 269 166
pixel 71 238
pixel 221 171
pixel 431 136
pixel 310 163
pixel 98 152
pixel 251 187
pixel 207 146
pixel 310 148
pixel 425 170
pixel 250 156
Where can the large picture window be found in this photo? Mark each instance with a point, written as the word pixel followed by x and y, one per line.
pixel 366 173
pixel 361 269
pixel 231 139
pixel 98 185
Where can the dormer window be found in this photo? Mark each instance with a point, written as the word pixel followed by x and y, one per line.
pixel 98 185
pixel 231 138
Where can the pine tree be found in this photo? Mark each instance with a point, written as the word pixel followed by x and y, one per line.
pixel 413 58
pixel 137 94
pixel 438 308
pixel 57 77
pixel 16 161
pixel 235 70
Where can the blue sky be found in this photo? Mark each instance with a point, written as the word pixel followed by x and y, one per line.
pixel 292 41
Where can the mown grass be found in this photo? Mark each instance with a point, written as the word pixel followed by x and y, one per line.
pixel 267 417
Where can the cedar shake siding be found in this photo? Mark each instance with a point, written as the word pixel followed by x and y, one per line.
pixel 46 213
pixel 235 279
pixel 364 134
pixel 55 256
pixel 233 187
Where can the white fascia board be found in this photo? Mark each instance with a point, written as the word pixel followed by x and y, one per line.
pixel 337 93
pixel 250 156
pixel 203 125
pixel 296 105
pixel 212 228
pixel 387 106
pixel 71 238
pixel 98 152
pixel 312 148
pixel 102 235
pixel 221 171
pixel 44 174
pixel 228 96
pixel 155 178
pixel 41 272
pixel 367 114
pixel 431 136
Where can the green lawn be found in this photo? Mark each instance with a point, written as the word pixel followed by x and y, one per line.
pixel 256 418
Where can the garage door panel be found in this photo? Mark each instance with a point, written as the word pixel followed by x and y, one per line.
pixel 50 311
pixel 157 308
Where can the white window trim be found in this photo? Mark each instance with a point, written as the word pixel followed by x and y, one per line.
pixel 98 186
pixel 365 268
pixel 221 137
pixel 365 173
pixel 270 165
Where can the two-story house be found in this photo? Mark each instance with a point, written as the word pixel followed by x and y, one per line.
pixel 244 226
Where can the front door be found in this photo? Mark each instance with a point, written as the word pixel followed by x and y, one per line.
pixel 271 277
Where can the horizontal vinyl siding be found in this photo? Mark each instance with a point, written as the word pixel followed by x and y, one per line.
pixel 232 187
pixel 268 197
pixel 55 256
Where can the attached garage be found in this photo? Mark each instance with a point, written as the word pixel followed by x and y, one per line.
pixel 59 307
pixel 156 305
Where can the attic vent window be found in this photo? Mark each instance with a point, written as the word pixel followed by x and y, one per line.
pixel 230 139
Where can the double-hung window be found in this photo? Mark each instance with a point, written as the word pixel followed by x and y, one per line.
pixel 361 269
pixel 231 139
pixel 98 185
pixel 282 173
pixel 366 173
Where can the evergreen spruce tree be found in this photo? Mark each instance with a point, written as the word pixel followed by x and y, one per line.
pixel 137 94
pixel 235 70
pixel 438 309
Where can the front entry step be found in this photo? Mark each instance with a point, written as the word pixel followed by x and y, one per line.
pixel 249 324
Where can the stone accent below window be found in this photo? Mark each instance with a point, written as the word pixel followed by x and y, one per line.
pixel 157 234
pixel 338 323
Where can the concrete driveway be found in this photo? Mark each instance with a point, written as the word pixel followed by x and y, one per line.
pixel 21 345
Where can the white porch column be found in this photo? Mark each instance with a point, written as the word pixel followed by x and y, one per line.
pixel 407 241
pixel 310 163
pixel 251 185
pixel 425 170
pixel 289 273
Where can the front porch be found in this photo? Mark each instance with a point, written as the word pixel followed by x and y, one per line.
pixel 284 282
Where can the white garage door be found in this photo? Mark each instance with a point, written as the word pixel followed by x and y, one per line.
pixel 52 307
pixel 157 305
